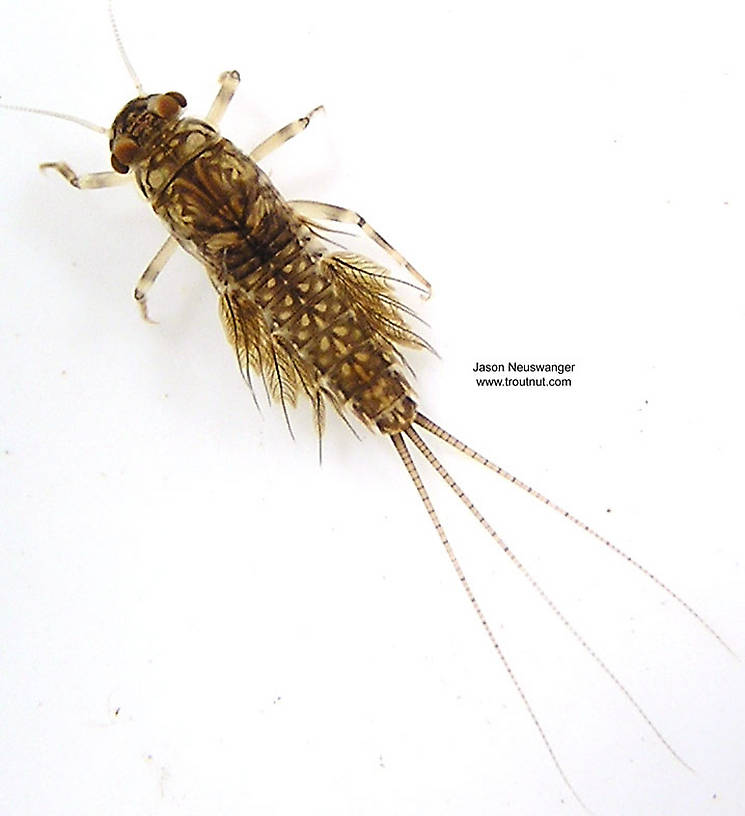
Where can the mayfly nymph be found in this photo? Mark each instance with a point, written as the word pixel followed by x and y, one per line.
pixel 306 318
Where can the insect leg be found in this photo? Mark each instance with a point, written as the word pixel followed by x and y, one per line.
pixel 229 81
pixel 283 135
pixel 89 181
pixel 95 181
pixel 330 212
pixel 147 279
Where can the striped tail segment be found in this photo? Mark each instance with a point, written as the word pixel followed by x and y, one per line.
pixel 401 447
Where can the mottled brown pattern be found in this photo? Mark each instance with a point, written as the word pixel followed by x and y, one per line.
pixel 302 317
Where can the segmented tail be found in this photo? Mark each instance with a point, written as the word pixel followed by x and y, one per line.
pixel 441 433
pixel 402 450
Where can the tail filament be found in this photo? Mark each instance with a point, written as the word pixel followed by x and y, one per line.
pixel 411 469
pixel 439 468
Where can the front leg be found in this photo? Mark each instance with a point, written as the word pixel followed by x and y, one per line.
pixel 229 81
pixel 96 181
pixel 283 135
pixel 88 181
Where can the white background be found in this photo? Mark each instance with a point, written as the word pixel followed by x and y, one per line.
pixel 195 617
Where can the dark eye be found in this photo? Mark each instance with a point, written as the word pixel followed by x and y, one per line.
pixel 165 105
pixel 179 97
pixel 123 153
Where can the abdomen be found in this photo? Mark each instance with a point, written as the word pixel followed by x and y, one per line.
pixel 289 306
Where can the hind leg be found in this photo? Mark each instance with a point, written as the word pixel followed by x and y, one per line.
pixel 315 210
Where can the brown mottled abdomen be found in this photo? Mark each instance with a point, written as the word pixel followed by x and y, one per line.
pixel 294 312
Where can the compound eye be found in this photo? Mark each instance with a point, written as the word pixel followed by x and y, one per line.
pixel 118 166
pixel 179 97
pixel 165 105
pixel 123 153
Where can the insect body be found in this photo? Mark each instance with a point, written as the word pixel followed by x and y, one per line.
pixel 306 318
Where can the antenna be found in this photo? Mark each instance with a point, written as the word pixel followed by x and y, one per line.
pixel 57 115
pixel 122 52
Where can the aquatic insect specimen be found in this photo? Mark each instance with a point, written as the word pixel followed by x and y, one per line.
pixel 208 188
